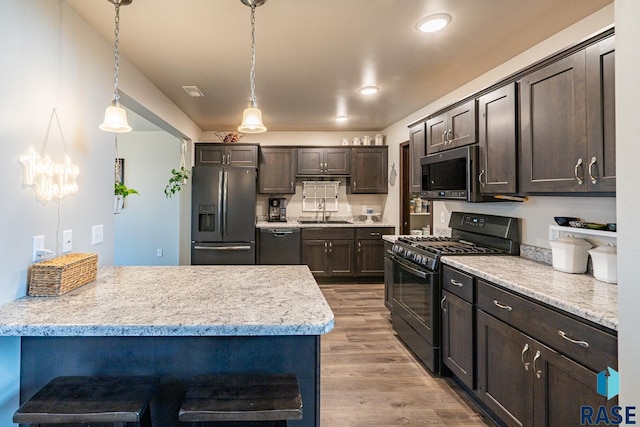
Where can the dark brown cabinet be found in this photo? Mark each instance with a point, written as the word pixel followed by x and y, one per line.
pixel 241 155
pixel 568 123
pixel 369 170
pixel 416 150
pixel 388 277
pixel 370 254
pixel 453 128
pixel 328 252
pixel 497 133
pixel 324 161
pixel 276 170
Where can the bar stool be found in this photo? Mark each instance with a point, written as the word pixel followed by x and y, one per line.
pixel 96 399
pixel 242 399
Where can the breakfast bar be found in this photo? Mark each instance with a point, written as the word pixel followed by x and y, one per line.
pixel 176 322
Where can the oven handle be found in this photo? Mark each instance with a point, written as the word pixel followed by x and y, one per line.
pixel 404 265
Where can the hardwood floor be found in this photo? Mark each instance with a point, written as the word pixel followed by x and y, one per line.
pixel 369 378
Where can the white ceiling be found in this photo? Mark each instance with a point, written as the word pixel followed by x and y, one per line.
pixel 313 55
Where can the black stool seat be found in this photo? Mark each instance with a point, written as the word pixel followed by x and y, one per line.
pixel 242 397
pixel 83 399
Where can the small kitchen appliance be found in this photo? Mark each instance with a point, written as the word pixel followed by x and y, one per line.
pixel 277 209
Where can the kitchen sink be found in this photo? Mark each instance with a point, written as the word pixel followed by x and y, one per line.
pixel 316 221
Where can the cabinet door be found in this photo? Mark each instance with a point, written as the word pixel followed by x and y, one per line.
pixel 209 154
pixel 462 125
pixel 341 258
pixel 601 116
pixel 388 282
pixel 505 380
pixel 553 127
pixel 497 141
pixel 276 172
pixel 416 150
pixel 457 337
pixel 314 255
pixel 242 155
pixel 369 170
pixel 561 387
pixel 310 161
pixel 370 257
pixel 436 129
pixel 337 161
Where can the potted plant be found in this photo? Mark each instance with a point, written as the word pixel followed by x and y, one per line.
pixel 178 178
pixel 121 191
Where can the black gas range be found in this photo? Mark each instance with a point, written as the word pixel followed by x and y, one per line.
pixel 416 272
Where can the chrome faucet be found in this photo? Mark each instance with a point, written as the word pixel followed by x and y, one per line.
pixel 323 205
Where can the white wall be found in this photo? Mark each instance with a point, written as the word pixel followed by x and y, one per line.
pixel 627 155
pixel 538 212
pixel 149 220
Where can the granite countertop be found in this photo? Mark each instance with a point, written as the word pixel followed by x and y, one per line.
pixel 295 224
pixel 579 294
pixel 178 301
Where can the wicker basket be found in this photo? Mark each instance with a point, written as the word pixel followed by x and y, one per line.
pixel 63 274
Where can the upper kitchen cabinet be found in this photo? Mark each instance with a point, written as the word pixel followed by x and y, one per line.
pixel 369 170
pixel 497 133
pixel 240 155
pixel 416 150
pixel 324 161
pixel 453 128
pixel 277 170
pixel 567 124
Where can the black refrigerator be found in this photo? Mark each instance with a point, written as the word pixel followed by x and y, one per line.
pixel 223 215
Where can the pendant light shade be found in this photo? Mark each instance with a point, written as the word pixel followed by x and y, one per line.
pixel 115 117
pixel 252 116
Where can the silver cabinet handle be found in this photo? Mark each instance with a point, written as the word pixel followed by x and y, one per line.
pixel 375 234
pixel 355 185
pixel 594 180
pixel 502 306
pixel 443 134
pixel 535 360
pixel 575 171
pixel 456 283
pixel 291 185
pixel 444 298
pixel 220 201
pixel 325 247
pixel 229 158
pixel 225 202
pixel 359 247
pixel 581 343
pixel 524 350
pixel 330 247
pixel 482 184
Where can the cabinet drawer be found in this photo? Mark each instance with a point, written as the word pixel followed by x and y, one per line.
pixel 591 347
pixel 373 232
pixel 327 233
pixel 458 283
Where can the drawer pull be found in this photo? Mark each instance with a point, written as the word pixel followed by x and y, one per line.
pixel 572 340
pixel 535 361
pixel 524 350
pixel 502 306
pixel 444 298
pixel 456 283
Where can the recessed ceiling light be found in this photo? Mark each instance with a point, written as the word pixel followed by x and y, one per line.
pixel 369 90
pixel 341 118
pixel 193 91
pixel 432 23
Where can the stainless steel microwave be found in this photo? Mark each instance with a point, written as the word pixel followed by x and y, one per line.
pixel 452 175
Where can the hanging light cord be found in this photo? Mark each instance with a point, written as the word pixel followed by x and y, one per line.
pixel 116 95
pixel 252 74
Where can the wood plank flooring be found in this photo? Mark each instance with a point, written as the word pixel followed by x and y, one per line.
pixel 369 378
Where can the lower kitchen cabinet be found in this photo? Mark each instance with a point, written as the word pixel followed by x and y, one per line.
pixel 370 253
pixel 328 252
pixel 388 277
pixel 457 337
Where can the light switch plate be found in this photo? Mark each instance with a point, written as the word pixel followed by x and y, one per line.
pixel 67 238
pixel 97 234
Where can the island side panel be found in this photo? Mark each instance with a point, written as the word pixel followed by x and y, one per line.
pixel 177 358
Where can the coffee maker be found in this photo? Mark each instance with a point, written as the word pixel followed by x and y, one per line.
pixel 277 209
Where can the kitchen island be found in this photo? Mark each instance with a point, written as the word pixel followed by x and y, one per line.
pixel 176 322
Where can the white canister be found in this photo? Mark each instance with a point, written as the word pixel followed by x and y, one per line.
pixel 345 141
pixel 366 140
pixel 570 254
pixel 416 232
pixel 356 141
pixel 605 263
pixel 378 139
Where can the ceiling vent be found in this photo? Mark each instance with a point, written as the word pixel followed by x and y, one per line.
pixel 193 91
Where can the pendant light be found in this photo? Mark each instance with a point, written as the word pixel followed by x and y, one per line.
pixel 252 116
pixel 115 117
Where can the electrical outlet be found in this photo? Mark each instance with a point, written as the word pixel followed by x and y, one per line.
pixel 159 252
pixel 37 244
pixel 97 234
pixel 442 217
pixel 554 233
pixel 67 237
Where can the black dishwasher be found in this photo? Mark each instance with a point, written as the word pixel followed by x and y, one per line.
pixel 279 246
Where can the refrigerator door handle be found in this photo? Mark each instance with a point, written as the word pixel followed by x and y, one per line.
pixel 220 202
pixel 225 201
pixel 222 248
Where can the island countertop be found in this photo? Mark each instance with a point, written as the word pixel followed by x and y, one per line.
pixel 178 301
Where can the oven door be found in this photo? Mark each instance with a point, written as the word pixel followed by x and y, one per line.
pixel 415 297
